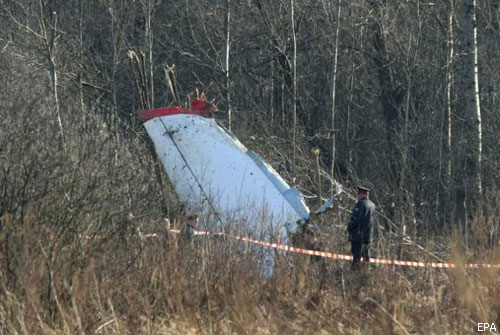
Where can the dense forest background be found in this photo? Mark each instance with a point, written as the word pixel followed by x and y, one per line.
pixel 400 96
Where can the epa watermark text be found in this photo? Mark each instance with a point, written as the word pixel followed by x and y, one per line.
pixel 487 327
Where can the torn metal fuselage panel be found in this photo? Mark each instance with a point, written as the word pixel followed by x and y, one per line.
pixel 212 172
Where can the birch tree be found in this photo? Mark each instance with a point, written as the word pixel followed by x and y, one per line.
pixel 471 156
pixel 334 87
pixel 148 7
pixel 446 121
pixel 226 62
pixel 294 94
pixel 473 105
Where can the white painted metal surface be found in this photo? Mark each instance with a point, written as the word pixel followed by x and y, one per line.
pixel 211 170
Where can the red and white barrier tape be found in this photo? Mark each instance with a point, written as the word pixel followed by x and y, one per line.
pixel 337 256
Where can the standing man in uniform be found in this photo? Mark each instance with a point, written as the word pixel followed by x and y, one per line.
pixel 360 228
pixel 187 231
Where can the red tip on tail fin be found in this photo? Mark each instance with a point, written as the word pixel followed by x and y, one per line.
pixel 148 114
pixel 199 107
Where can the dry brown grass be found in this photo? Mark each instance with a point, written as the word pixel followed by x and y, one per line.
pixel 155 286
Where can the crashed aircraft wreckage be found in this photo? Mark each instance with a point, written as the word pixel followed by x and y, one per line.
pixel 214 174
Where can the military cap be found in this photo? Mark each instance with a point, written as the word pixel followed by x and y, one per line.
pixel 363 189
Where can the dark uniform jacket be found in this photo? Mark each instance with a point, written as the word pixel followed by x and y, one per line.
pixel 361 223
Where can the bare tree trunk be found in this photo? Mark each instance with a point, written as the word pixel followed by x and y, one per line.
pixel 228 47
pixel 53 71
pixel 294 37
pixel 348 121
pixel 284 119
pixel 451 55
pixel 334 91
pixel 443 199
pixel 80 76
pixel 115 58
pixel 272 92
pixel 149 38
pixel 469 89
pixel 49 39
pixel 317 175
pixel 477 112
pixel 471 93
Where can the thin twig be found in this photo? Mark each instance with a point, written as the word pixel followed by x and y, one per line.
pixel 103 325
